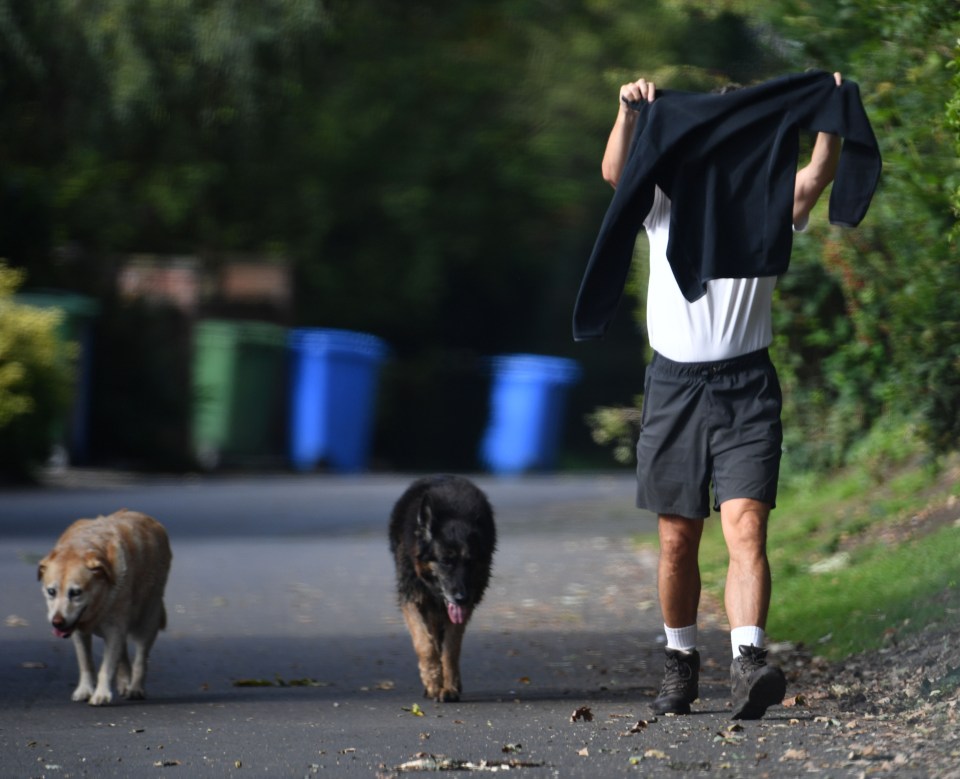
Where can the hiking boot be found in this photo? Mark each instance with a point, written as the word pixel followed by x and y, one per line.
pixel 681 680
pixel 755 685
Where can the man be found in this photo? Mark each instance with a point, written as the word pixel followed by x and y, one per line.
pixel 711 414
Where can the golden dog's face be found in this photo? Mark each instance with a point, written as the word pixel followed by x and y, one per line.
pixel 71 585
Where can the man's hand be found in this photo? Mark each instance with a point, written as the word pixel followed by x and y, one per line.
pixel 638 90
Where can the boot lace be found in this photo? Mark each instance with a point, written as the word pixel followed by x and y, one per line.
pixel 677 677
pixel 751 659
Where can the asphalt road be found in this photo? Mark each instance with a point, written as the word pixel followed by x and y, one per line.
pixel 285 654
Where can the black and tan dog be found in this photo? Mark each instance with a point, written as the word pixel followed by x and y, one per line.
pixel 442 536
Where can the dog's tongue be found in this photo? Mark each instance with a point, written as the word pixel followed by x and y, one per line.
pixel 61 633
pixel 457 614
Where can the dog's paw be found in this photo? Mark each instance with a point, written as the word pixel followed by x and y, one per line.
pixel 134 694
pixel 448 696
pixel 101 698
pixel 83 693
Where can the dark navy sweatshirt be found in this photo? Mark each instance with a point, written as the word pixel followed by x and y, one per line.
pixel 728 164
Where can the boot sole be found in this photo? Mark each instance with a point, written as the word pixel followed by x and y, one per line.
pixel 682 708
pixel 767 691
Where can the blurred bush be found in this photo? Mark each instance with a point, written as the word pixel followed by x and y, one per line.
pixel 35 380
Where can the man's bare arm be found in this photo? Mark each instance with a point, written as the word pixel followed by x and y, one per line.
pixel 618 144
pixel 816 176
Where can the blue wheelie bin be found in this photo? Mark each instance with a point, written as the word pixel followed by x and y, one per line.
pixel 333 386
pixel 527 401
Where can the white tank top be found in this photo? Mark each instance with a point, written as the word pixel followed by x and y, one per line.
pixel 731 319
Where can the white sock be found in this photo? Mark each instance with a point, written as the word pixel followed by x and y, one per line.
pixel 683 639
pixel 746 636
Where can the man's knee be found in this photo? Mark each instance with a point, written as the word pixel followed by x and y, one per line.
pixel 744 524
pixel 679 537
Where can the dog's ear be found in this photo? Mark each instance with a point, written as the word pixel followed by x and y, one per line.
pixel 425 519
pixel 41 567
pixel 99 566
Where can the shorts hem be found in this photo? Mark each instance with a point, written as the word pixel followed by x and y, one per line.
pixel 673 512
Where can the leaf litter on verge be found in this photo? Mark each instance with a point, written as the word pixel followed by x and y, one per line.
pixel 427 762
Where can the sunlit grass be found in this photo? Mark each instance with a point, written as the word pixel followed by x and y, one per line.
pixel 882 591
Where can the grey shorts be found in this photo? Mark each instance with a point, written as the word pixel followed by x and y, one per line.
pixel 709 423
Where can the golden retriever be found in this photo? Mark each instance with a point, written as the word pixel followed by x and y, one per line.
pixel 106 576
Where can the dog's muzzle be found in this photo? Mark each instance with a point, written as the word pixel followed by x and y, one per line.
pixel 60 627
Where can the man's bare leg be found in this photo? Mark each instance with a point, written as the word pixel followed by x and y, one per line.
pixel 678 580
pixel 755 685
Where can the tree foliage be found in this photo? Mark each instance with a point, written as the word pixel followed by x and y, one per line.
pixel 867 330
pixel 866 325
pixel 431 171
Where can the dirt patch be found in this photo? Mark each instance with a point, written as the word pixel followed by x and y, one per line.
pixel 890 711
pixel 887 712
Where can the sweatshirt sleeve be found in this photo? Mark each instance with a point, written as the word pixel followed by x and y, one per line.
pixel 609 264
pixel 858 170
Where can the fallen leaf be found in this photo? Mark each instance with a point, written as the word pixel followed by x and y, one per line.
pixel 425 763
pixel 508 748
pixel 794 754
pixel 33 665
pixel 796 700
pixel 729 737
pixel 278 681
pixel 655 754
pixel 582 713
pixel 732 735
pixel 584 752
pixel 870 753
pixel 13 621
pixel 303 683
pixel 638 727
pixel 415 710
pixel 524 680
